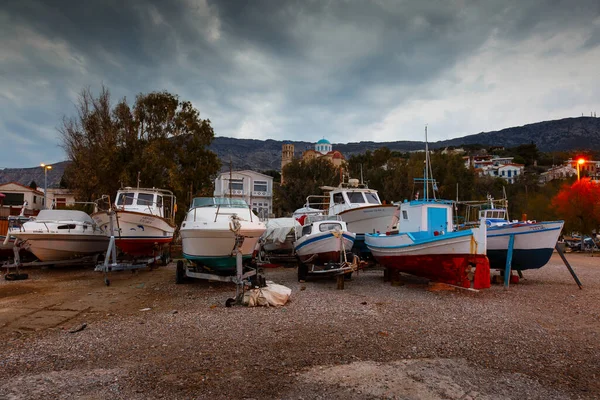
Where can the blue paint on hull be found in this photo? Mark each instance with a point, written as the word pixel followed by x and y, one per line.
pixel 218 264
pixel 521 259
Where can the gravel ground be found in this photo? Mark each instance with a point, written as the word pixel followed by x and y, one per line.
pixel 537 340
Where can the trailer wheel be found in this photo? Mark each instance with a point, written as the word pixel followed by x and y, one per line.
pixel 13 276
pixel 180 273
pixel 229 302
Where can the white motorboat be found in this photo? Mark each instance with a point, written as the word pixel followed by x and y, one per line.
pixel 57 235
pixel 209 232
pixel 144 221
pixel 359 207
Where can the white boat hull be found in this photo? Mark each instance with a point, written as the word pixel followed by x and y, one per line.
pixel 58 247
pixel 323 247
pixel 371 219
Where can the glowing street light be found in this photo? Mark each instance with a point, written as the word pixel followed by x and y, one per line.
pixel 46 168
pixel 580 162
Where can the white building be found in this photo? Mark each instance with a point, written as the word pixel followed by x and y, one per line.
pixel 254 187
pixel 16 194
pixel 60 198
pixel 508 172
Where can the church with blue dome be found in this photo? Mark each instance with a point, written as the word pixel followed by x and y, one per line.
pixel 322 149
pixel 323 146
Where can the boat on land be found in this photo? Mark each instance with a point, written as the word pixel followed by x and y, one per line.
pixel 534 242
pixel 210 230
pixel 57 235
pixel 279 236
pixel 358 206
pixel 144 220
pixel 426 243
pixel 322 240
pixel 323 247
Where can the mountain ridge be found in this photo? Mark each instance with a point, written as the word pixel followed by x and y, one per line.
pixel 578 133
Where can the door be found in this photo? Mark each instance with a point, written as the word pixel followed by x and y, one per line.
pixel 436 220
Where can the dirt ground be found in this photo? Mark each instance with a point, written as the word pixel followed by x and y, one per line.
pixel 146 337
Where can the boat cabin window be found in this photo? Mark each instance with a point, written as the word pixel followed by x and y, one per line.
pixel 332 226
pixel 306 230
pixel 125 199
pixel 223 202
pixel 159 201
pixel 338 198
pixel 356 197
pixel 404 214
pixel 145 199
pixel 372 198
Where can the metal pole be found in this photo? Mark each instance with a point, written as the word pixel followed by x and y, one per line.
pixel 509 254
pixel 562 255
pixel 577 171
pixel 45 187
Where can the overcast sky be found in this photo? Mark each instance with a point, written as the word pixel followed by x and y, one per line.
pixel 300 70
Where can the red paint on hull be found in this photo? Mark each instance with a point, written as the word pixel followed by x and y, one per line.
pixel 142 247
pixel 321 258
pixel 454 269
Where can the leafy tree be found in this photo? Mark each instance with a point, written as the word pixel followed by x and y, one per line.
pixel 579 205
pixel 303 178
pixel 161 137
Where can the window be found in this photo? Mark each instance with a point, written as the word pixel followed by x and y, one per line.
pixel 356 197
pixel 260 186
pixel 34 199
pixel 61 202
pixel 338 198
pixel 145 199
pixel 125 199
pixel 306 230
pixel 159 201
pixel 372 198
pixel 236 184
pixel 330 227
pixel 509 172
pixel 502 173
pixel 14 199
pixel 404 214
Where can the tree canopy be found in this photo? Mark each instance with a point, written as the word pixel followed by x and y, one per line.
pixel 579 205
pixel 160 136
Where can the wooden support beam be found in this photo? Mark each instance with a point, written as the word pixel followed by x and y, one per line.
pixel 509 254
pixel 562 255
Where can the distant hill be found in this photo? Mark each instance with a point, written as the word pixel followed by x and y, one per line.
pixel 25 176
pixel 581 133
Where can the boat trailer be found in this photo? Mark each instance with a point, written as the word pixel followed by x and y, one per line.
pixel 251 277
pixel 111 263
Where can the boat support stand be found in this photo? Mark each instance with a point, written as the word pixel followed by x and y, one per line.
pixel 508 268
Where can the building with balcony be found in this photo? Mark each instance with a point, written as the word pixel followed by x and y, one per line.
pixel 254 187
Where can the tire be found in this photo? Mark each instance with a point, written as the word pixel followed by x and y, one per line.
pixel 13 276
pixel 180 273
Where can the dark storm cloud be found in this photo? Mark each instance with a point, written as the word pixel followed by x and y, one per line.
pixel 287 69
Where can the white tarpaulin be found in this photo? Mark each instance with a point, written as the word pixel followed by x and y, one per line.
pixel 279 228
pixel 270 295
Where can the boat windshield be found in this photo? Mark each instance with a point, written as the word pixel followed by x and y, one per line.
pixel 218 201
pixel 332 226
pixel 125 199
pixel 372 198
pixel 356 197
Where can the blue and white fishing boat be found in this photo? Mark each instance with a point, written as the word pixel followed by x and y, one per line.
pixel 322 240
pixel 426 243
pixel 533 244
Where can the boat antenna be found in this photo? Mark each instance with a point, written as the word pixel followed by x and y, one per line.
pixel 138 180
pixel 426 194
pixel 361 175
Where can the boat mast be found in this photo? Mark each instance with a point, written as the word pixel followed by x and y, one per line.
pixel 426 194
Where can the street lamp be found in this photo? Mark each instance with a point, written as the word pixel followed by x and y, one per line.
pixel 581 161
pixel 46 168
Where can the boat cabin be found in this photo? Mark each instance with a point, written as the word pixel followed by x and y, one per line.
pixel 153 201
pixel 320 223
pixel 432 216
